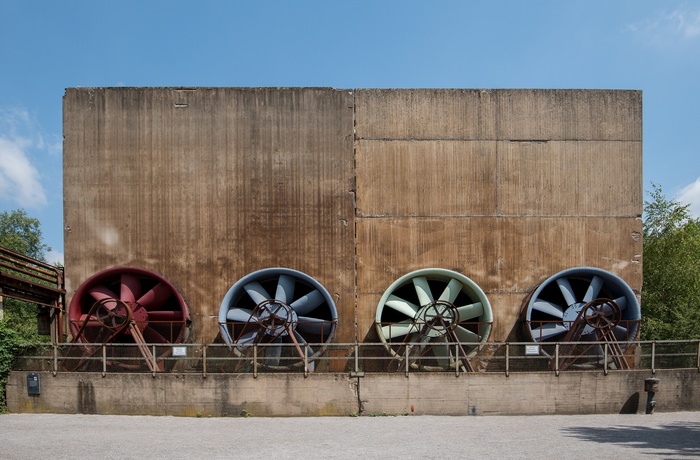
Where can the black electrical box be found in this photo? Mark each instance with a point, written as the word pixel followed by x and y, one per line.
pixel 33 384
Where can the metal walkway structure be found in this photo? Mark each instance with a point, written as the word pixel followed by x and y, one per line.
pixel 31 280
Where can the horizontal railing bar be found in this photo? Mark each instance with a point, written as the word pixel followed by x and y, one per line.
pixel 339 345
pixel 648 355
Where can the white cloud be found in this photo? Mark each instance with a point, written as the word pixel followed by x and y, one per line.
pixel 669 27
pixel 20 182
pixel 686 22
pixel 54 257
pixel 691 195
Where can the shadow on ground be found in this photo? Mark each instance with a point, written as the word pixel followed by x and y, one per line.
pixel 677 440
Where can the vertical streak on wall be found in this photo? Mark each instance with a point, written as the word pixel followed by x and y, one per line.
pixel 205 185
pixel 505 186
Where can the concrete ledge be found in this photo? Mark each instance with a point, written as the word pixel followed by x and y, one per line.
pixel 341 395
pixel 186 394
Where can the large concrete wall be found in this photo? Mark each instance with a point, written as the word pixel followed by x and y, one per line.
pixel 355 188
pixel 342 395
pixel 207 185
pixel 505 186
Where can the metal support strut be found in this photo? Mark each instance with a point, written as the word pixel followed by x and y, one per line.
pixel 602 316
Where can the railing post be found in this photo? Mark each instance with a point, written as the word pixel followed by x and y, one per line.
pixel 204 362
pixel 457 359
pixel 653 357
pixel 55 359
pixel 605 359
pixel 306 360
pixel 153 361
pixel 556 359
pixel 104 359
pixel 357 358
pixel 408 349
pixel 507 359
pixel 255 360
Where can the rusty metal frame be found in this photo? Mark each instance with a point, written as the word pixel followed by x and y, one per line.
pixel 602 315
pixel 30 280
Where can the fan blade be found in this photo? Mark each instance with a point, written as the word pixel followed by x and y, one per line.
pixel 593 289
pixel 247 339
pixel 273 352
pixel 308 302
pixel 470 311
pixel 314 326
pixel 239 315
pixel 548 330
pixel 302 342
pixel 92 321
pixel 566 291
pixel 454 287
pixel 156 297
pixel 621 334
pixel 153 336
pixel 130 288
pixel 101 292
pixel 164 316
pixel 285 289
pixel 599 352
pixel 256 292
pixel 403 306
pixel 394 330
pixel 465 335
pixel 621 302
pixel 425 296
pixel 442 352
pixel 549 308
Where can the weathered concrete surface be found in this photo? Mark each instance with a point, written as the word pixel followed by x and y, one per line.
pixel 527 393
pixel 507 256
pixel 517 114
pixel 339 394
pixel 217 395
pixel 353 187
pixel 206 185
pixel 507 187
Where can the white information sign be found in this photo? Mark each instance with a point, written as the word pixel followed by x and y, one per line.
pixel 179 351
pixel 532 350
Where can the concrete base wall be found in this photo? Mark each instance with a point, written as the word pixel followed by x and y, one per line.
pixel 342 395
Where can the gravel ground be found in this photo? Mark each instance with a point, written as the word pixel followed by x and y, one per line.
pixel 660 435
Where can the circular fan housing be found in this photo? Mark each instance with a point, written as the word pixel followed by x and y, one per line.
pixel 434 307
pixel 157 308
pixel 283 309
pixel 552 308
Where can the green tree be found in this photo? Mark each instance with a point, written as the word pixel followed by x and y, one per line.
pixel 22 234
pixel 671 290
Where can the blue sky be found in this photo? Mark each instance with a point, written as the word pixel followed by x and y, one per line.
pixel 47 46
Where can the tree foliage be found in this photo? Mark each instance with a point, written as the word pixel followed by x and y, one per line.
pixel 22 234
pixel 671 290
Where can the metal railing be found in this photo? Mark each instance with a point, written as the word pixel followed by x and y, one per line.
pixel 31 280
pixel 357 359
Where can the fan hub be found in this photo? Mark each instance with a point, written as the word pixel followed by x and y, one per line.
pixel 139 315
pixel 440 317
pixel 570 315
pixel 276 318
